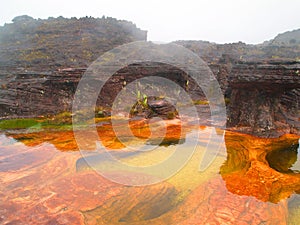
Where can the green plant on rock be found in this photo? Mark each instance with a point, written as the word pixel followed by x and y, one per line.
pixel 99 112
pixel 141 104
pixel 142 99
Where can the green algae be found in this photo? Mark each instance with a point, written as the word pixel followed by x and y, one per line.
pixel 23 123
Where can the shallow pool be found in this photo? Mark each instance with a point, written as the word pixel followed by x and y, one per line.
pixel 45 179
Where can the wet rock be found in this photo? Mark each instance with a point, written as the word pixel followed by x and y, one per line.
pixel 212 203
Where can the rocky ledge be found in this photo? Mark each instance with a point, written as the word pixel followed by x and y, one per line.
pixel 265 98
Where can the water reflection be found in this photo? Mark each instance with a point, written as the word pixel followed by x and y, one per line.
pixel 284 160
pixel 248 168
pixel 43 174
pixel 64 140
pixel 296 165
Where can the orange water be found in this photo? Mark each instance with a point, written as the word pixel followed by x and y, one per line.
pixel 45 180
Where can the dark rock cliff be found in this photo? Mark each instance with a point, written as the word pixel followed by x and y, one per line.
pixel 261 84
pixel 42 61
pixel 265 98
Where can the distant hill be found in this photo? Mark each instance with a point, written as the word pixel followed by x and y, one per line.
pixel 61 42
pixel 287 38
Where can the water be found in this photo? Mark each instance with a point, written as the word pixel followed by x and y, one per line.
pixel 46 180
pixel 296 165
pixel 285 160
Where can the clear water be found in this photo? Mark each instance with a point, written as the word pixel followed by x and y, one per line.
pixel 46 180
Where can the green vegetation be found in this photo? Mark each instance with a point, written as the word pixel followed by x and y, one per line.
pixel 142 99
pixel 61 121
pixel 227 101
pixel 18 123
pixel 141 102
pixel 201 102
pixel 33 55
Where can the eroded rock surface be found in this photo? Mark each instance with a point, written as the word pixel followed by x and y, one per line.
pixel 265 98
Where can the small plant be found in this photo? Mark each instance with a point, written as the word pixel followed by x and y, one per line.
pixel 99 112
pixel 187 85
pixel 141 98
pixel 141 104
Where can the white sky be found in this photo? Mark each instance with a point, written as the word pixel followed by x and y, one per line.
pixel 221 21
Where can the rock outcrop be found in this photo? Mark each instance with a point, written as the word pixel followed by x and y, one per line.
pixel 41 61
pixel 260 84
pixel 265 98
pixel 287 38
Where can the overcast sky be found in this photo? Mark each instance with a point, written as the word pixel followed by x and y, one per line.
pixel 221 21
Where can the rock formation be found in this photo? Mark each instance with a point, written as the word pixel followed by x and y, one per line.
pixel 42 61
pixel 265 98
pixel 260 84
pixel 287 38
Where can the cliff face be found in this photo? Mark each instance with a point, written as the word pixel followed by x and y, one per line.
pixel 265 98
pixel 42 61
pixel 260 84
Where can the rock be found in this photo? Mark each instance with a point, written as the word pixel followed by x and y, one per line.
pixel 162 108
pixel 249 170
pixel 265 98
pixel 287 38
pixel 42 61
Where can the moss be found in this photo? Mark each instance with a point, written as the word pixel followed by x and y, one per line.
pixel 33 55
pixel 18 123
pixel 171 115
pixel 227 101
pixel 61 121
pixel 64 118
pixel 101 112
pixel 201 102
